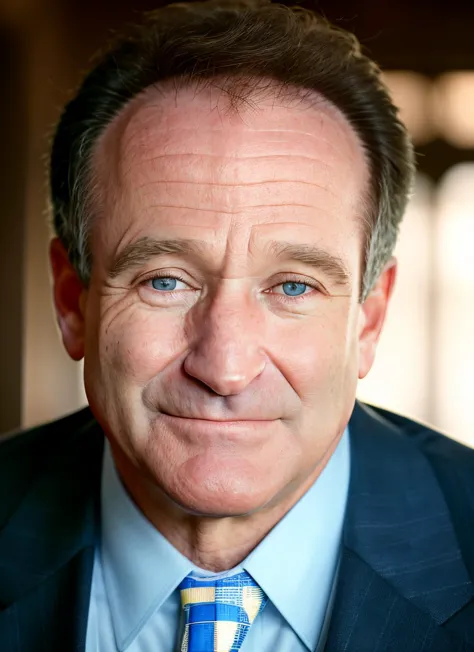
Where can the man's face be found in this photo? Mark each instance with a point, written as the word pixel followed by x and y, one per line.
pixel 222 332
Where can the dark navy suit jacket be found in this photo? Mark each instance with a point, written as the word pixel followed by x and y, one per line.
pixel 406 581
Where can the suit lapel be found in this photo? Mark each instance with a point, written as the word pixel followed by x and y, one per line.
pixel 370 615
pixel 402 573
pixel 49 542
pixel 53 615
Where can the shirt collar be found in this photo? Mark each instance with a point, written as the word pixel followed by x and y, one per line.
pixel 295 563
pixel 142 569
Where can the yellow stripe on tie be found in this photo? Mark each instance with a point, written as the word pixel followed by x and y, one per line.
pixel 198 595
pixel 251 601
pixel 224 634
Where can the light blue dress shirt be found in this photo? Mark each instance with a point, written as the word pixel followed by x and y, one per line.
pixel 135 605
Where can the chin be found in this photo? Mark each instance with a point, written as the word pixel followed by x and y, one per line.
pixel 221 492
pixel 221 506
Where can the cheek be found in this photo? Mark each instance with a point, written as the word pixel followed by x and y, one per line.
pixel 138 343
pixel 324 351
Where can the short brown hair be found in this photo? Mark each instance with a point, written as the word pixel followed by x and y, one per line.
pixel 199 41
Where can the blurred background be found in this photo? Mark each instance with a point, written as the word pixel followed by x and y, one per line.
pixel 425 363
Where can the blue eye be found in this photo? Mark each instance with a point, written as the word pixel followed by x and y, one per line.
pixel 293 289
pixel 164 283
pixel 170 285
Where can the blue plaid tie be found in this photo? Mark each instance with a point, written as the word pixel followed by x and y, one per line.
pixel 219 612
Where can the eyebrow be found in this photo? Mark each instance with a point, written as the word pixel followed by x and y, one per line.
pixel 139 252
pixel 315 257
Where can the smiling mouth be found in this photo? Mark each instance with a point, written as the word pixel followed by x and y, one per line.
pixel 223 421
pixel 241 431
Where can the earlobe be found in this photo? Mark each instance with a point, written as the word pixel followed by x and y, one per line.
pixel 68 300
pixel 373 313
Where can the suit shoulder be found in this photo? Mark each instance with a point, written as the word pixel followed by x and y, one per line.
pixel 431 442
pixel 453 467
pixel 25 455
pixel 44 435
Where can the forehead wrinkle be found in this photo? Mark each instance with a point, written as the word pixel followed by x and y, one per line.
pixel 154 181
pixel 146 184
pixel 315 175
pixel 312 159
pixel 133 143
pixel 241 210
pixel 230 167
pixel 327 186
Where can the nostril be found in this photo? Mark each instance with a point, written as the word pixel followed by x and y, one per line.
pixel 202 385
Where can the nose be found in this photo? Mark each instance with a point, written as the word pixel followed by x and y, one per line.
pixel 226 352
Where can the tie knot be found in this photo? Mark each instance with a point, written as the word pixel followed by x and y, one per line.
pixel 219 612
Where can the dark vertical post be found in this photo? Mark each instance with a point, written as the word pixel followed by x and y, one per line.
pixel 13 121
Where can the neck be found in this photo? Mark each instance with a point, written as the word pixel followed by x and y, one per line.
pixel 212 543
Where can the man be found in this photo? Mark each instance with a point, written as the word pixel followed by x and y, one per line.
pixel 227 187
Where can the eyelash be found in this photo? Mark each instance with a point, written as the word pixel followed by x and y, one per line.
pixel 280 297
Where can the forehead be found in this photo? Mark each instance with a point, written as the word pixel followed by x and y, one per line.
pixel 161 118
pixel 185 157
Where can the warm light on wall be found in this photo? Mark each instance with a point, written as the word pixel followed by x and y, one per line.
pixel 454 315
pixel 453 107
pixel 441 108
pixel 412 93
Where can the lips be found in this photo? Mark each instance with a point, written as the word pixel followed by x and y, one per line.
pixel 213 431
pixel 214 420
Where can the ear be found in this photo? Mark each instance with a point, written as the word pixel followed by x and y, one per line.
pixel 373 312
pixel 69 295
